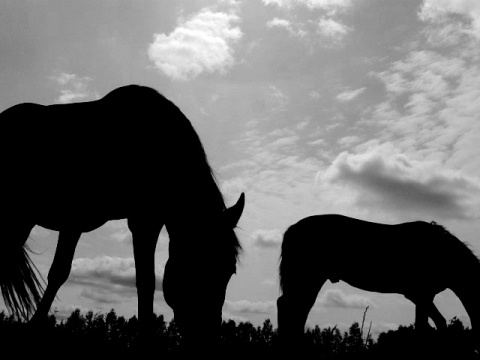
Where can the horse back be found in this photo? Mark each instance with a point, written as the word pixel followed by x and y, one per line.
pixel 356 251
pixel 130 142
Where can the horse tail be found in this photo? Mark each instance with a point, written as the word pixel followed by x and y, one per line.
pixel 20 282
pixel 285 256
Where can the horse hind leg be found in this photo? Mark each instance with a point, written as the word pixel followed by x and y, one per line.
pixel 58 273
pixel 293 308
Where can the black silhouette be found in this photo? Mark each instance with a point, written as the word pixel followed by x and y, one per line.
pixel 416 259
pixel 108 335
pixel 133 155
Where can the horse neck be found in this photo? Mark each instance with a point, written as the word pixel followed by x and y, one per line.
pixel 190 230
pixel 194 208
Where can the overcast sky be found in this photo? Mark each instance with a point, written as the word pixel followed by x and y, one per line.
pixel 368 108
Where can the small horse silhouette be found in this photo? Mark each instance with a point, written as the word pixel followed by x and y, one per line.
pixel 416 259
pixel 134 155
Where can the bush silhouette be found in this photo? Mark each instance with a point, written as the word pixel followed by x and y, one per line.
pixel 96 335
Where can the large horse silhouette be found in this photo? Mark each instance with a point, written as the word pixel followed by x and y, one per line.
pixel 134 155
pixel 416 259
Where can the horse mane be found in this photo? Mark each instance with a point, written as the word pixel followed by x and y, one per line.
pixel 207 192
pixel 464 246
pixel 217 195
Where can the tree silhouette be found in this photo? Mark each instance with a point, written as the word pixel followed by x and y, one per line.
pixel 353 340
pixel 114 336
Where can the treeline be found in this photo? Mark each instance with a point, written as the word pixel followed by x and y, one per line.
pixel 97 335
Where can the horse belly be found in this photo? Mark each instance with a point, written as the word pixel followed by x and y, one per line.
pixel 392 279
pixel 80 208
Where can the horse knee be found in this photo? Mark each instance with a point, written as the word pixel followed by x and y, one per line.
pixel 59 273
pixel 441 324
pixel 280 308
pixel 283 311
pixel 280 302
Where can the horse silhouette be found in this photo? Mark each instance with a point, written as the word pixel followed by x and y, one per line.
pixel 416 259
pixel 131 154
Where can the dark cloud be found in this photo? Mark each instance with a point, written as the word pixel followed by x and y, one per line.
pixel 337 299
pixel 267 238
pixel 394 187
pixel 99 296
pixel 106 279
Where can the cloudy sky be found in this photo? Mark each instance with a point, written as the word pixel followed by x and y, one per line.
pixel 368 108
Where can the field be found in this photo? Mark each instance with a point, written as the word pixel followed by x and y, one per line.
pixel 97 335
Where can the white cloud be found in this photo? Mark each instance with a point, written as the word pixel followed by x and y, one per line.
pixel 302 124
pixel 121 232
pixel 349 95
pixel 328 5
pixel 440 10
pixel 249 307
pixel 64 78
pixel 232 3
pixel 267 238
pixel 433 106
pixel 394 82
pixel 275 99
pixel 426 71
pixel 294 29
pixel 73 88
pixel 285 141
pixel 276 22
pixel 317 142
pixel 328 27
pixel 332 30
pixel 201 44
pixel 338 299
pixel 348 140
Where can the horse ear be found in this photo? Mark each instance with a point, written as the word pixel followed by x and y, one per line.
pixel 232 214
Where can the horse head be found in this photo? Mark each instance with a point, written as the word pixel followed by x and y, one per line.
pixel 194 286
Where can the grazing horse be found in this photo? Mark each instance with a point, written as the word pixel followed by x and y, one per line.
pixel 416 259
pixel 129 155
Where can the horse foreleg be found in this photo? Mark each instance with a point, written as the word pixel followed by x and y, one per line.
pixel 437 317
pixel 424 309
pixel 145 235
pixel 293 308
pixel 58 273
pixel 421 315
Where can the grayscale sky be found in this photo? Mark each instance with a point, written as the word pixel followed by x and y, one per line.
pixel 367 108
